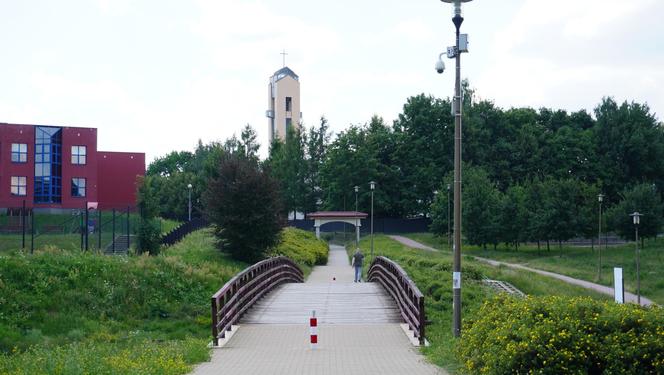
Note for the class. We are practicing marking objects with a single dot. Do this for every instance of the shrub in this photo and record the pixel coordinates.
(555, 335)
(302, 247)
(149, 236)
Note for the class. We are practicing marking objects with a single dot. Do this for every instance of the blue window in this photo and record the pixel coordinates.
(48, 164)
(19, 152)
(78, 155)
(78, 187)
(19, 185)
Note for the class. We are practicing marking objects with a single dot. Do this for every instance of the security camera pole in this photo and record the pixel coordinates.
(455, 52)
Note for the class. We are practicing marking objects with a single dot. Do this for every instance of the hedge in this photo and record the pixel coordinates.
(301, 246)
(556, 335)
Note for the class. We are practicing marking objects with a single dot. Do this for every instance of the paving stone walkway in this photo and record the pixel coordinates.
(359, 332)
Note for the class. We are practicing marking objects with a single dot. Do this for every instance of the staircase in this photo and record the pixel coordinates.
(121, 245)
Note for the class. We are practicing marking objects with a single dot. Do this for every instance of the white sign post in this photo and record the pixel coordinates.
(618, 285)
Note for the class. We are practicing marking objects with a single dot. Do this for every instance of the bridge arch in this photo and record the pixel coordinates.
(351, 217)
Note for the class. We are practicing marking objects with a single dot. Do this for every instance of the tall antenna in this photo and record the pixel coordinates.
(283, 54)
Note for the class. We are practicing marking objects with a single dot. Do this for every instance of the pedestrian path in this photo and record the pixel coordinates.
(629, 297)
(359, 331)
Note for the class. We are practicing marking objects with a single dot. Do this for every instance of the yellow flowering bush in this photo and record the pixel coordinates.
(557, 335)
(302, 247)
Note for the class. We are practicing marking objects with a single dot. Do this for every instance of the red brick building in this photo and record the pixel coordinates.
(57, 167)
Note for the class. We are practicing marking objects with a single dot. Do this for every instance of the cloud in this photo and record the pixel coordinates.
(570, 54)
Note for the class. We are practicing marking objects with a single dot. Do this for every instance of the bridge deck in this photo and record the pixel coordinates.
(358, 330)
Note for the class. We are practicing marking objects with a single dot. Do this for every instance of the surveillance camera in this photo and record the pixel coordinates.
(440, 66)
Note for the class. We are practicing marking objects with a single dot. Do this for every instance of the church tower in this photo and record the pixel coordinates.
(283, 103)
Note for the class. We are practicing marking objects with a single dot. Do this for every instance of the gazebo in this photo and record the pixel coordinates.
(350, 217)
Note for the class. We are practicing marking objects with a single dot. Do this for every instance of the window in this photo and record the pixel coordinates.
(19, 152)
(19, 185)
(78, 154)
(289, 104)
(289, 123)
(78, 187)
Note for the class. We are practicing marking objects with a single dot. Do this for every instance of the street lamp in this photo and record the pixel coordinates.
(189, 187)
(455, 52)
(600, 198)
(636, 220)
(357, 189)
(372, 185)
(449, 233)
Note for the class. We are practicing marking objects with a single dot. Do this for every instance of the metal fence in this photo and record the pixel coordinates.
(76, 229)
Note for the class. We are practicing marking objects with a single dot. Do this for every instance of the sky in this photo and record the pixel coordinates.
(157, 76)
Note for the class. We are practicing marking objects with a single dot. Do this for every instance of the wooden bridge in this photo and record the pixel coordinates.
(362, 326)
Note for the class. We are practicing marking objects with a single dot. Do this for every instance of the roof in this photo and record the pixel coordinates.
(283, 72)
(336, 214)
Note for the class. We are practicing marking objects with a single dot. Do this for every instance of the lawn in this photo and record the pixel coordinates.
(580, 262)
(432, 272)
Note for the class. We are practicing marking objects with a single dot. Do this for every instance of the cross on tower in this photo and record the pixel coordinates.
(283, 54)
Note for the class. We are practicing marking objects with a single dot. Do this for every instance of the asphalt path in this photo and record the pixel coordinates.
(629, 297)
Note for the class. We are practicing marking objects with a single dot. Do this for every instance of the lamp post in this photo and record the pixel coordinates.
(372, 185)
(189, 187)
(636, 220)
(449, 223)
(455, 52)
(357, 189)
(600, 198)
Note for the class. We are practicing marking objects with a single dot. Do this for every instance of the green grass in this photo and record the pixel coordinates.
(432, 272)
(68, 312)
(580, 262)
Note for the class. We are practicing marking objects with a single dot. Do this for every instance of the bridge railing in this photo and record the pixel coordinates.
(247, 287)
(408, 297)
(182, 230)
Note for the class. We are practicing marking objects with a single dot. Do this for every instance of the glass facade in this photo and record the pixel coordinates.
(78, 187)
(19, 152)
(48, 164)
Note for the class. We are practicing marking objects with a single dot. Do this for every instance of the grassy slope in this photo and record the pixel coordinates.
(71, 313)
(580, 262)
(81, 313)
(432, 273)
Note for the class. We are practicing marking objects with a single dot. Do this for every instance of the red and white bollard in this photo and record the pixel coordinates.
(313, 330)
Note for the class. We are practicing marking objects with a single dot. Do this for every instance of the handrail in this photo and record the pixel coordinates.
(247, 287)
(178, 233)
(403, 290)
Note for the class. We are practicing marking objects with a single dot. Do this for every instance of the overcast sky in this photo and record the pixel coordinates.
(156, 76)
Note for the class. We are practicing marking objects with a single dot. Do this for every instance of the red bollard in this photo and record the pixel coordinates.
(313, 330)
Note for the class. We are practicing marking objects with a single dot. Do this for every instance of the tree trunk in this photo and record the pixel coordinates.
(548, 247)
(560, 247)
(592, 244)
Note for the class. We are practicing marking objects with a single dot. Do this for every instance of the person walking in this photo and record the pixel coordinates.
(358, 258)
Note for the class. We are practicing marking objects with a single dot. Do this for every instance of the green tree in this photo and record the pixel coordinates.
(243, 204)
(642, 198)
(481, 205)
(149, 235)
(630, 146)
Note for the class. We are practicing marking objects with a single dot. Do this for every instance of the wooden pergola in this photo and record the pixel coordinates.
(351, 217)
